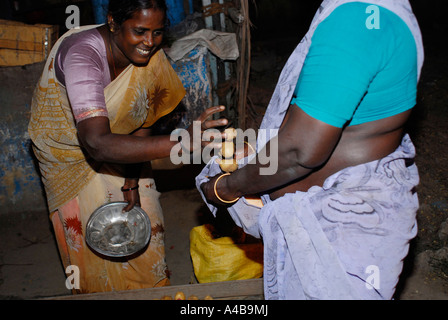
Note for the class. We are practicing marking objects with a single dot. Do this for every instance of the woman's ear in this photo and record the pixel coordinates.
(111, 24)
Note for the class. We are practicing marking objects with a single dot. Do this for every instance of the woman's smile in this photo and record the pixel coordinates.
(144, 53)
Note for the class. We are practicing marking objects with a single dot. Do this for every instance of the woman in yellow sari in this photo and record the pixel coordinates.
(102, 89)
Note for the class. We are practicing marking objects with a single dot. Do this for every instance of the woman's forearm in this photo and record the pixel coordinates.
(132, 149)
(249, 180)
(301, 146)
(105, 146)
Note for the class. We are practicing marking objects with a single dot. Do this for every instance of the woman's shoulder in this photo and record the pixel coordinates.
(90, 36)
(84, 47)
(86, 41)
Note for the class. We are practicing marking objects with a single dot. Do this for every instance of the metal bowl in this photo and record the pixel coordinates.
(114, 233)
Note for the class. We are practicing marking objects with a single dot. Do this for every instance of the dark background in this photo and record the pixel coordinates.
(271, 18)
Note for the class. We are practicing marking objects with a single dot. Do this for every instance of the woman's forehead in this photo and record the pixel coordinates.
(147, 17)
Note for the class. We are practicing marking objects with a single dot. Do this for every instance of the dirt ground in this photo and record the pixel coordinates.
(29, 262)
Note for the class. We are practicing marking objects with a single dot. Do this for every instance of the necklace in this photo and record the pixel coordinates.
(112, 53)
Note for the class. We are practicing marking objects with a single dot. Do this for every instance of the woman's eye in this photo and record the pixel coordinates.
(158, 33)
(139, 32)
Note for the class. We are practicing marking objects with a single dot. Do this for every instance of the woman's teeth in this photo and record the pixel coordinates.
(143, 52)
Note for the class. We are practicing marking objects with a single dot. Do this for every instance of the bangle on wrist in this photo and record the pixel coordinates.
(216, 192)
(129, 189)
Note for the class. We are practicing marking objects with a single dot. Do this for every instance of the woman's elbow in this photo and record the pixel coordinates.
(93, 135)
(94, 148)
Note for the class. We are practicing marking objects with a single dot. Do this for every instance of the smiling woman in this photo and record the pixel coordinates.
(101, 90)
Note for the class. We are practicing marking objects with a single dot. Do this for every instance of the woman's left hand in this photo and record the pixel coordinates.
(211, 192)
(205, 124)
(208, 190)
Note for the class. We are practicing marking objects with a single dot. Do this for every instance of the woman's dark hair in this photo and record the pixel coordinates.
(122, 10)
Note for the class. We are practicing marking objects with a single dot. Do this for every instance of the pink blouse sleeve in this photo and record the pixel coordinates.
(86, 74)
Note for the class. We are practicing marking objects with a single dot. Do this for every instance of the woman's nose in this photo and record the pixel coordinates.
(148, 40)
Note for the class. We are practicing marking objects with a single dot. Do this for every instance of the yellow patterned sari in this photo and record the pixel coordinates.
(75, 185)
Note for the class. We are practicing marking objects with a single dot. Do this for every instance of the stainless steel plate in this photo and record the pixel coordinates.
(114, 233)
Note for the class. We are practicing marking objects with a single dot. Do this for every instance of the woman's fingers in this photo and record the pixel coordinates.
(207, 124)
(132, 198)
(208, 136)
(210, 111)
(128, 207)
(213, 123)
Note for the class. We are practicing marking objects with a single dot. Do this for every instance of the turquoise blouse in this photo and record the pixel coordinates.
(361, 67)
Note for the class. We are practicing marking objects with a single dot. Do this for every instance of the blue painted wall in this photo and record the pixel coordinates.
(20, 185)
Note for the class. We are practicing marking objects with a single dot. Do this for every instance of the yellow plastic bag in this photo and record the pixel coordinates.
(225, 258)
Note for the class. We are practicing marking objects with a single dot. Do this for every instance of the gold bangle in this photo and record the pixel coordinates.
(216, 192)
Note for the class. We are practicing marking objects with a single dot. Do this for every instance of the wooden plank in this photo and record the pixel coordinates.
(22, 45)
(9, 57)
(228, 290)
